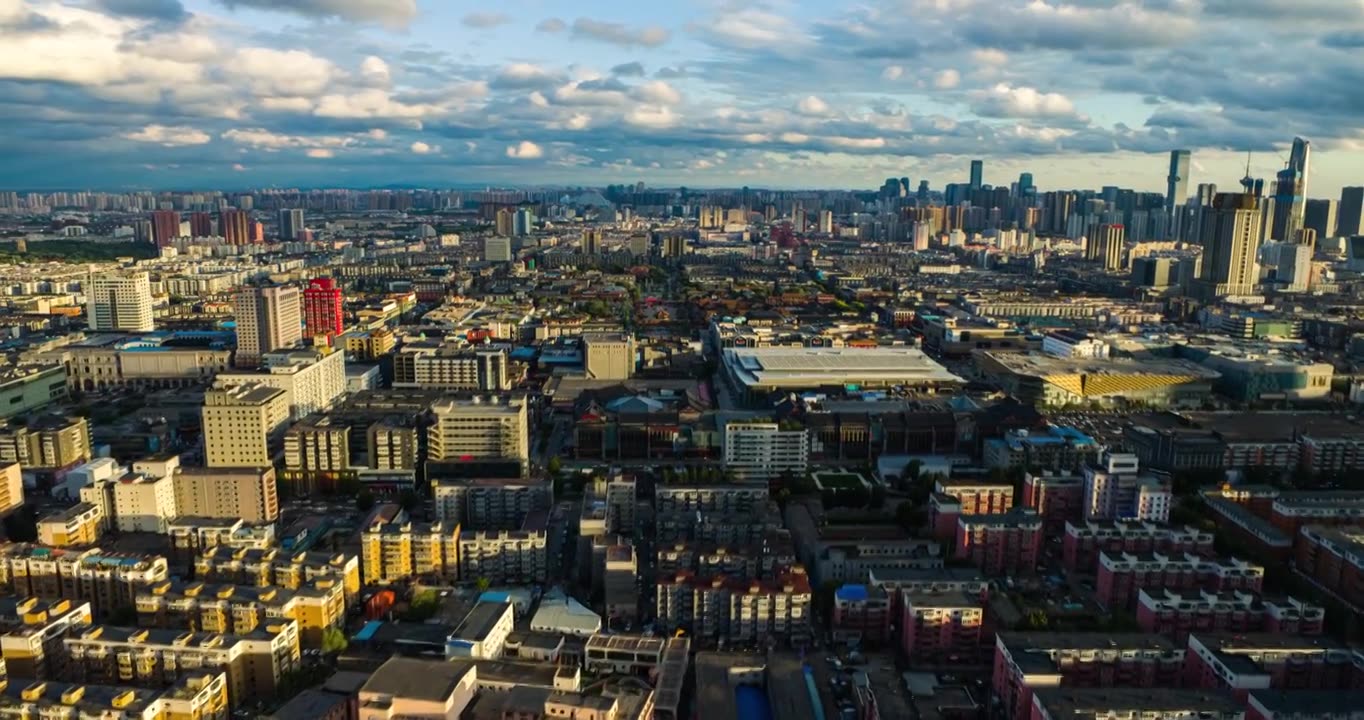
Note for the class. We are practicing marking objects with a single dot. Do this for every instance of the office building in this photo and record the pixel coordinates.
(268, 318)
(254, 663)
(120, 303)
(1108, 246)
(480, 427)
(1177, 182)
(78, 525)
(977, 174)
(323, 314)
(243, 424)
(394, 552)
(1290, 194)
(608, 356)
(290, 224)
(1231, 244)
(140, 503)
(639, 245)
(165, 227)
(497, 249)
(826, 222)
(504, 223)
(50, 441)
(235, 226)
(313, 379)
(1320, 216)
(27, 387)
(763, 451)
(1350, 213)
(620, 588)
(523, 221)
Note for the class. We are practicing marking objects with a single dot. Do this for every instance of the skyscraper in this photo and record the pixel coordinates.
(1230, 238)
(1177, 184)
(1320, 216)
(1111, 238)
(977, 174)
(235, 226)
(1290, 193)
(591, 241)
(503, 222)
(200, 224)
(120, 302)
(1350, 213)
(268, 318)
(522, 221)
(1025, 186)
(322, 309)
(290, 223)
(165, 226)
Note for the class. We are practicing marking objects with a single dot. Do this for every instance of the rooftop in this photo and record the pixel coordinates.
(430, 680)
(798, 366)
(481, 620)
(1092, 704)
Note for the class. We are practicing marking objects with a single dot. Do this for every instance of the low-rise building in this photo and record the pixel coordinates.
(1084, 541)
(483, 632)
(192, 696)
(31, 633)
(79, 525)
(1059, 448)
(1167, 704)
(861, 615)
(1122, 575)
(410, 688)
(1027, 662)
(1269, 704)
(258, 568)
(1243, 662)
(1007, 543)
(740, 611)
(941, 628)
(1179, 612)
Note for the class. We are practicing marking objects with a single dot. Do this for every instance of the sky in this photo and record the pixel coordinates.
(125, 94)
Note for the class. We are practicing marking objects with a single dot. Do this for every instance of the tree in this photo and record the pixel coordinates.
(364, 502)
(554, 466)
(1037, 619)
(912, 471)
(483, 584)
(334, 641)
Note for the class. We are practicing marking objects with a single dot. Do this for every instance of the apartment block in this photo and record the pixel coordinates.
(1115, 489)
(191, 697)
(108, 581)
(505, 556)
(953, 498)
(941, 628)
(861, 615)
(31, 633)
(259, 568)
(489, 503)
(763, 451)
(79, 525)
(1167, 704)
(1027, 662)
(392, 552)
(317, 447)
(1244, 662)
(254, 663)
(1177, 613)
(740, 611)
(241, 609)
(391, 445)
(451, 368)
(1058, 498)
(11, 487)
(191, 536)
(1083, 541)
(1290, 511)
(1122, 575)
(142, 503)
(758, 559)
(620, 577)
(1305, 705)
(314, 379)
(50, 441)
(248, 493)
(721, 499)
(243, 425)
(480, 427)
(997, 544)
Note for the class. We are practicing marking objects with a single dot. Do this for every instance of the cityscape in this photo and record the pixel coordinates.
(362, 391)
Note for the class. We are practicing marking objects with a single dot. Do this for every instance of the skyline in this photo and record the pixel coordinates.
(128, 94)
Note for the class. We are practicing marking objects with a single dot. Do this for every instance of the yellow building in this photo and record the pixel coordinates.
(108, 581)
(193, 697)
(76, 526)
(392, 552)
(11, 487)
(31, 632)
(239, 609)
(250, 566)
(368, 344)
(152, 657)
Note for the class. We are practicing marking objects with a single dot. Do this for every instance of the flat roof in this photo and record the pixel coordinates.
(1085, 704)
(481, 620)
(431, 680)
(1309, 703)
(809, 367)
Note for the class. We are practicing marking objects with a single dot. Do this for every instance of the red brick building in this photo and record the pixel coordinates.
(1122, 574)
(1026, 662)
(1084, 541)
(1059, 499)
(1007, 543)
(1244, 662)
(941, 628)
(1177, 613)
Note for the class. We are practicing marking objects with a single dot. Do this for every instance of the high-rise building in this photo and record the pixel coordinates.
(826, 222)
(608, 356)
(1177, 184)
(242, 425)
(1350, 213)
(268, 318)
(120, 302)
(290, 223)
(235, 226)
(504, 223)
(1025, 186)
(674, 246)
(1230, 239)
(481, 427)
(977, 174)
(322, 308)
(165, 226)
(497, 249)
(1290, 193)
(522, 221)
(1320, 216)
(1110, 238)
(200, 224)
(591, 242)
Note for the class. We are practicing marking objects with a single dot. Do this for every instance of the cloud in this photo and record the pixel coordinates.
(752, 29)
(947, 79)
(320, 153)
(370, 104)
(1004, 100)
(630, 69)
(551, 25)
(375, 70)
(651, 116)
(392, 13)
(282, 72)
(421, 148)
(270, 141)
(170, 136)
(892, 72)
(238, 167)
(658, 92)
(524, 150)
(167, 10)
(618, 34)
(990, 57)
(524, 75)
(484, 19)
(812, 105)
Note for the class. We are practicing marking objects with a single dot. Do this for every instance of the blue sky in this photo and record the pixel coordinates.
(705, 93)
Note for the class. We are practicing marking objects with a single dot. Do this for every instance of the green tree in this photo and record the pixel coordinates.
(554, 466)
(483, 584)
(334, 641)
(1037, 619)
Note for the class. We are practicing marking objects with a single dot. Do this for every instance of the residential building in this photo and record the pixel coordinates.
(1073, 344)
(120, 303)
(497, 249)
(268, 319)
(861, 615)
(1243, 662)
(1167, 704)
(1179, 612)
(1005, 543)
(740, 611)
(31, 632)
(1121, 575)
(764, 451)
(79, 525)
(290, 224)
(243, 425)
(941, 628)
(505, 556)
(248, 493)
(314, 378)
(710, 499)
(1115, 489)
(489, 503)
(367, 345)
(108, 581)
(260, 567)
(190, 697)
(240, 609)
(620, 584)
(323, 312)
(254, 663)
(1059, 448)
(1267, 704)
(392, 445)
(1057, 497)
(411, 688)
(953, 498)
(608, 357)
(234, 226)
(317, 447)
(392, 552)
(1084, 541)
(449, 368)
(11, 487)
(1333, 559)
(1230, 236)
(480, 427)
(1027, 662)
(482, 634)
(49, 441)
(141, 503)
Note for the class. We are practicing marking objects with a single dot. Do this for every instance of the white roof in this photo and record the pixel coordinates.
(569, 617)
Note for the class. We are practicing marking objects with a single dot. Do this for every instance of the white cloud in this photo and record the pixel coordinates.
(170, 136)
(525, 150)
(391, 13)
(421, 148)
(578, 121)
(1005, 100)
(651, 116)
(288, 73)
(551, 25)
(812, 105)
(378, 134)
(370, 104)
(617, 34)
(291, 104)
(238, 167)
(537, 99)
(262, 139)
(375, 70)
(575, 94)
(857, 143)
(753, 29)
(659, 93)
(755, 138)
(485, 19)
(320, 153)
(892, 72)
(794, 138)
(947, 79)
(990, 57)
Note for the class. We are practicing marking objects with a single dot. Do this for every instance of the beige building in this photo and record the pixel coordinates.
(101, 366)
(120, 302)
(11, 487)
(79, 525)
(48, 442)
(367, 344)
(143, 503)
(31, 632)
(313, 378)
(480, 427)
(317, 446)
(608, 356)
(242, 425)
(108, 581)
(28, 387)
(504, 556)
(409, 688)
(191, 697)
(268, 318)
(254, 662)
(392, 552)
(248, 493)
(256, 567)
(392, 445)
(241, 609)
